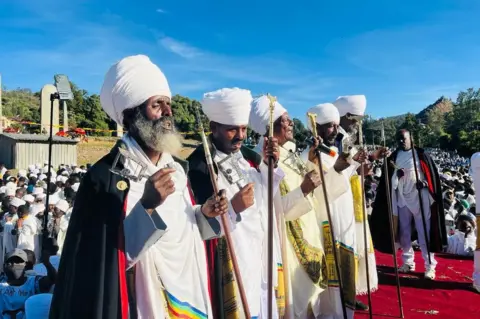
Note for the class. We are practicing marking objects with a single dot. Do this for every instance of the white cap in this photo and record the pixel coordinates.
(17, 202)
(62, 205)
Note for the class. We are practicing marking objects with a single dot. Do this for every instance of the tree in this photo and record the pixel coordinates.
(300, 133)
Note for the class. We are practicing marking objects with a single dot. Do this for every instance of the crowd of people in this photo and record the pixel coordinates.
(31, 244)
(142, 233)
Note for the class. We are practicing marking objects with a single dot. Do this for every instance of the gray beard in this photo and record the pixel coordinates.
(159, 135)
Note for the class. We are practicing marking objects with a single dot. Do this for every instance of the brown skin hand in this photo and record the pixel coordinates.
(228, 138)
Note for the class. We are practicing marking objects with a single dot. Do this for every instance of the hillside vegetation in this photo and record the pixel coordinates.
(445, 123)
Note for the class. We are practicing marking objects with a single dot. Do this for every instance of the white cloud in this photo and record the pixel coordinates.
(161, 11)
(182, 49)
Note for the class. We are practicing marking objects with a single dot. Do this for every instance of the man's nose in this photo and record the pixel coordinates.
(166, 110)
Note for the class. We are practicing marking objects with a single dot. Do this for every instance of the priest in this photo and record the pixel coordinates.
(475, 172)
(134, 244)
(300, 210)
(352, 109)
(406, 206)
(343, 219)
(243, 174)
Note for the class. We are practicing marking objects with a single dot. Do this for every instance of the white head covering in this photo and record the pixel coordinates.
(65, 173)
(353, 104)
(22, 173)
(62, 205)
(29, 198)
(41, 196)
(227, 106)
(38, 306)
(3, 189)
(31, 168)
(326, 113)
(129, 83)
(17, 202)
(75, 187)
(42, 177)
(53, 199)
(10, 191)
(260, 114)
(37, 191)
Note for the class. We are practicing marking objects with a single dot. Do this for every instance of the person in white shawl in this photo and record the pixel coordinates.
(26, 230)
(228, 110)
(343, 220)
(300, 210)
(10, 220)
(160, 228)
(475, 173)
(60, 223)
(351, 108)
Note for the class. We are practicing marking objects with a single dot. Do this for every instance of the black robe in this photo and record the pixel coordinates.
(379, 222)
(92, 282)
(202, 188)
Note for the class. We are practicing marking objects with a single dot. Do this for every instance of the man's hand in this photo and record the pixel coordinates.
(341, 163)
(243, 199)
(311, 181)
(360, 156)
(379, 153)
(400, 173)
(422, 184)
(312, 153)
(216, 205)
(157, 188)
(271, 149)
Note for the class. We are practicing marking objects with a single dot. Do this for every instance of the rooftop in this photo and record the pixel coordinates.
(38, 138)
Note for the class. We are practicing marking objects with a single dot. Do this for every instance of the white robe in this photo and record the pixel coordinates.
(310, 211)
(27, 234)
(170, 264)
(249, 236)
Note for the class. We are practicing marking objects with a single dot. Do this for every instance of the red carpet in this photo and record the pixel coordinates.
(450, 296)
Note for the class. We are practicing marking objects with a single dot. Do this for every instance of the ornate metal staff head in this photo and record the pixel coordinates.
(312, 118)
(272, 100)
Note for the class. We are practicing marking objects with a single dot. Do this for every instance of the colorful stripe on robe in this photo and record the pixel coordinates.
(182, 310)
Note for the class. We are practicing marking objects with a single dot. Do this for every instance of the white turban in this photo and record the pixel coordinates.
(41, 196)
(10, 192)
(129, 83)
(38, 306)
(31, 168)
(37, 191)
(17, 202)
(29, 198)
(62, 205)
(260, 114)
(22, 173)
(326, 113)
(227, 106)
(353, 104)
(475, 171)
(53, 199)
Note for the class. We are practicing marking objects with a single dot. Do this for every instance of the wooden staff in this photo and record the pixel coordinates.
(312, 117)
(392, 228)
(424, 223)
(225, 224)
(365, 220)
(271, 165)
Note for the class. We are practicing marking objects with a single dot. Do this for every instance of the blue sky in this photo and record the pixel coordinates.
(402, 55)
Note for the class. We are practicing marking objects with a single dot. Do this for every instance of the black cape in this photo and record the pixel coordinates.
(379, 222)
(202, 188)
(92, 282)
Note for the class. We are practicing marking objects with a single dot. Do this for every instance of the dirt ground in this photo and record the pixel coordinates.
(96, 148)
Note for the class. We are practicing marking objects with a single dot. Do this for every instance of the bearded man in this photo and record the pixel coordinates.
(343, 220)
(243, 173)
(300, 211)
(134, 244)
(352, 109)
